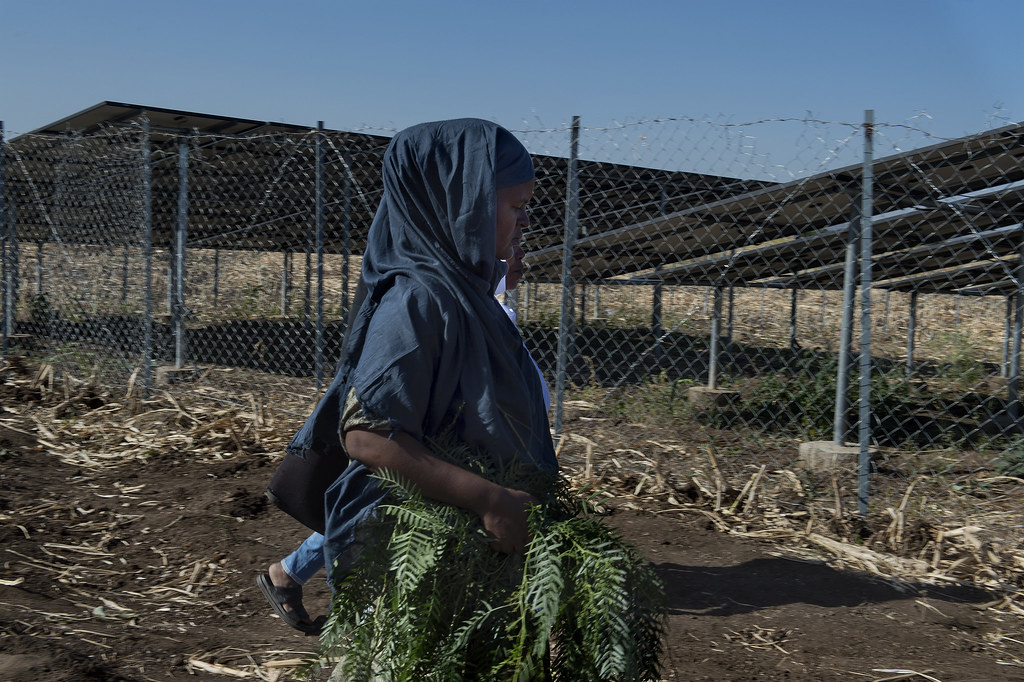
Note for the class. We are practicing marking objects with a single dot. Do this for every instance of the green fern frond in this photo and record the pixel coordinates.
(431, 600)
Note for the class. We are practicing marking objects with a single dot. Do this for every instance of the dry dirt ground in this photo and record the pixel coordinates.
(144, 569)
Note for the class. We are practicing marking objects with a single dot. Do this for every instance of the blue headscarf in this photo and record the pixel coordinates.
(429, 348)
(429, 272)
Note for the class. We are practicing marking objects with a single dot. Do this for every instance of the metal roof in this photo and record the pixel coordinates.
(233, 165)
(235, 153)
(170, 120)
(947, 218)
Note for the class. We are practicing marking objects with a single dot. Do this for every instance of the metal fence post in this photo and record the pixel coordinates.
(4, 331)
(180, 240)
(5, 290)
(147, 259)
(318, 361)
(10, 253)
(1013, 371)
(565, 318)
(866, 251)
(346, 242)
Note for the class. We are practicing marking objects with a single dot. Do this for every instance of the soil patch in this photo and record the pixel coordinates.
(144, 567)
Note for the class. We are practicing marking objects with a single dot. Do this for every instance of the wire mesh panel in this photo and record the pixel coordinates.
(752, 321)
(73, 238)
(685, 247)
(705, 272)
(176, 251)
(719, 284)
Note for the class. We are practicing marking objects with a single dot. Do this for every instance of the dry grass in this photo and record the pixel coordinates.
(967, 528)
(929, 520)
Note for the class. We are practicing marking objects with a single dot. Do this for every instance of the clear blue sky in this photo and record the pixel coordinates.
(386, 63)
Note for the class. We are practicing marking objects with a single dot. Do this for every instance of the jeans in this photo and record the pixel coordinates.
(304, 562)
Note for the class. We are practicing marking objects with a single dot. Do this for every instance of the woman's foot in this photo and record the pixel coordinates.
(285, 596)
(280, 578)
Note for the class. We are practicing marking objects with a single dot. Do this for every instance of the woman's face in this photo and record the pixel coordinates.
(512, 217)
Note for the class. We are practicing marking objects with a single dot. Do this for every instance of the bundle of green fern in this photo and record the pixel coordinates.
(430, 599)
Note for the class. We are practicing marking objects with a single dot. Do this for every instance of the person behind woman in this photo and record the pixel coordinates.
(511, 280)
(428, 350)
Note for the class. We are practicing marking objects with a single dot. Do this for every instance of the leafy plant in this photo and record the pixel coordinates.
(804, 399)
(800, 400)
(659, 399)
(251, 306)
(1010, 461)
(39, 310)
(961, 354)
(431, 600)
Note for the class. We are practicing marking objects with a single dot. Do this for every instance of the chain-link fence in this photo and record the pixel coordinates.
(706, 275)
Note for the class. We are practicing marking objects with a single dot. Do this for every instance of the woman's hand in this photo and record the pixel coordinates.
(505, 520)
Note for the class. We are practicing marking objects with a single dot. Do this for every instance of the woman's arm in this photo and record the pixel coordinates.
(502, 510)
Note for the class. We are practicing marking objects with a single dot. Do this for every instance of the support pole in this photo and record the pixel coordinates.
(170, 278)
(180, 239)
(716, 327)
(866, 252)
(911, 332)
(39, 270)
(565, 319)
(318, 362)
(657, 296)
(729, 323)
(125, 262)
(824, 309)
(1004, 369)
(286, 280)
(840, 419)
(793, 299)
(147, 261)
(583, 305)
(525, 313)
(216, 277)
